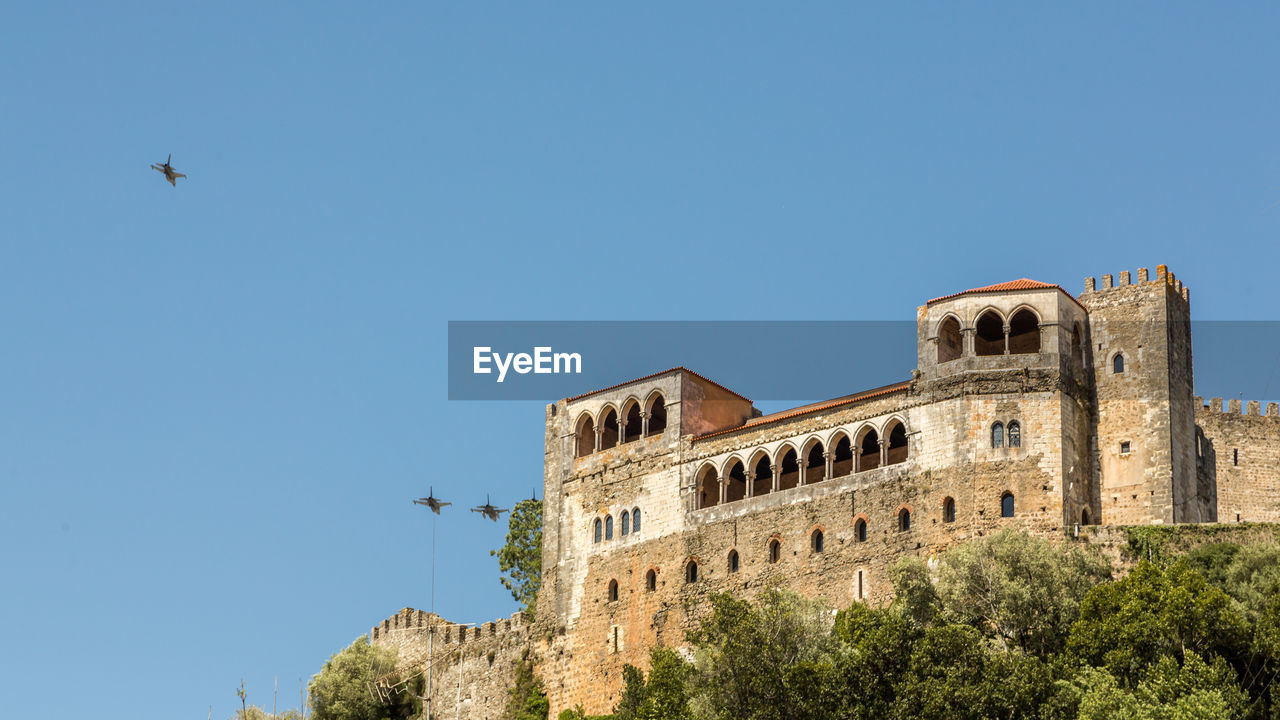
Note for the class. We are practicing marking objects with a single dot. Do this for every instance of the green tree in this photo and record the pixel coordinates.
(340, 691)
(253, 712)
(914, 595)
(526, 699)
(1018, 589)
(1127, 626)
(520, 559)
(1194, 690)
(665, 696)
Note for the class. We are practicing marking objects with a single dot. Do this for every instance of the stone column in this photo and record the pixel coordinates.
(723, 484)
(776, 470)
(644, 424)
(884, 447)
(1006, 338)
(828, 464)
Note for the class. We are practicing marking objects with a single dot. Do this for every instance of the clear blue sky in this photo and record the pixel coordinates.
(219, 399)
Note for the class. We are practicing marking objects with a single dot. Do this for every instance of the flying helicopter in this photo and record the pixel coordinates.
(169, 173)
(432, 502)
(488, 510)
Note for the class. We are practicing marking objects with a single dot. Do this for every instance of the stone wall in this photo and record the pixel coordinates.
(1240, 454)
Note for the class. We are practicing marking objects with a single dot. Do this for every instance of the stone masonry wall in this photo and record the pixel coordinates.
(1241, 453)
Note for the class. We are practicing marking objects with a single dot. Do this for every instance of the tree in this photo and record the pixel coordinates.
(527, 700)
(520, 559)
(665, 696)
(1018, 589)
(253, 712)
(340, 691)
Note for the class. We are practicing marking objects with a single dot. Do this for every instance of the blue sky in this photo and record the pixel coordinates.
(219, 399)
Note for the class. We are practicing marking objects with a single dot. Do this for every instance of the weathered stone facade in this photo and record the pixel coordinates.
(665, 489)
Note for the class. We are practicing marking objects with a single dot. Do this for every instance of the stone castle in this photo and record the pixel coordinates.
(1028, 407)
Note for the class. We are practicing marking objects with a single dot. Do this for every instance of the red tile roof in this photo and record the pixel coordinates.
(806, 409)
(1019, 284)
(680, 368)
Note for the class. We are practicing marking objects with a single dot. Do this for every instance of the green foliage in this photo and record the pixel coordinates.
(520, 559)
(527, 700)
(1195, 690)
(1018, 589)
(915, 596)
(666, 694)
(577, 713)
(340, 691)
(253, 712)
(1127, 626)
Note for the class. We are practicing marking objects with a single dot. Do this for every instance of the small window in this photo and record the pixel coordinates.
(1124, 447)
(861, 590)
(1006, 505)
(613, 591)
(626, 522)
(635, 520)
(860, 530)
(597, 534)
(733, 561)
(904, 520)
(1117, 364)
(1084, 516)
(1235, 456)
(948, 510)
(775, 551)
(815, 541)
(997, 435)
(608, 527)
(691, 572)
(651, 580)
(1015, 434)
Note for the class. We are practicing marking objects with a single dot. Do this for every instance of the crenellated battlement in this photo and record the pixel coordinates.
(420, 621)
(1252, 408)
(1162, 276)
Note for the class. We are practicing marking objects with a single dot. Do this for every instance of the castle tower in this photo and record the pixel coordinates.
(1140, 335)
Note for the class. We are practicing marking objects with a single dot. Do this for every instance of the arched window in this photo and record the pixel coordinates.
(708, 488)
(608, 527)
(904, 520)
(737, 482)
(1024, 333)
(613, 591)
(762, 481)
(635, 520)
(691, 571)
(1117, 364)
(842, 461)
(860, 530)
(626, 523)
(1006, 504)
(1084, 516)
(869, 451)
(651, 580)
(897, 450)
(634, 424)
(989, 334)
(815, 465)
(815, 541)
(585, 436)
(1015, 434)
(775, 551)
(948, 510)
(609, 430)
(950, 344)
(597, 534)
(789, 473)
(997, 435)
(657, 415)
(733, 561)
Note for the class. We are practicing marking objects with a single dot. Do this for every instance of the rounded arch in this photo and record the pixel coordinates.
(708, 486)
(691, 570)
(635, 520)
(597, 533)
(997, 434)
(651, 580)
(775, 550)
(1024, 331)
(608, 527)
(626, 523)
(817, 539)
(733, 561)
(904, 518)
(609, 436)
(860, 528)
(788, 467)
(584, 435)
(633, 423)
(761, 473)
(815, 461)
(735, 480)
(896, 432)
(841, 454)
(656, 407)
(1006, 504)
(948, 509)
(868, 448)
(613, 590)
(950, 341)
(988, 333)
